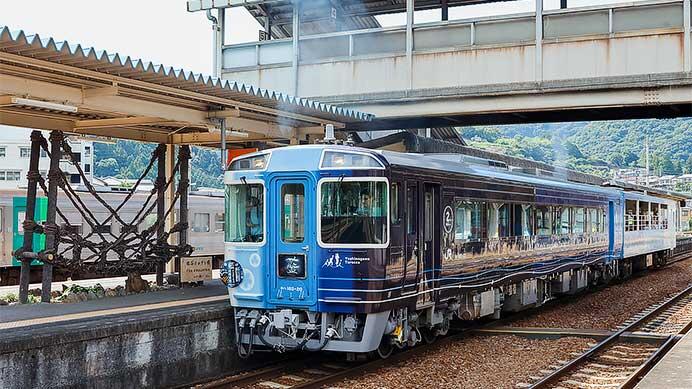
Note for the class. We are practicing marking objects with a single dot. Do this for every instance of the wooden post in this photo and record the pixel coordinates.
(32, 176)
(161, 206)
(52, 241)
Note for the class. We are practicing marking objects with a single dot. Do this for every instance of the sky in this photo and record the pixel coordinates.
(162, 31)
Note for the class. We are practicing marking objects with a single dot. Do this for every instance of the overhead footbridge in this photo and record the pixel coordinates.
(617, 61)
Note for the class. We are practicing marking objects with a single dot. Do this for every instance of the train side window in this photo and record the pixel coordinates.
(394, 203)
(219, 222)
(527, 220)
(200, 222)
(293, 213)
(563, 220)
(578, 217)
(468, 219)
(411, 216)
(631, 221)
(654, 215)
(644, 215)
(543, 222)
(664, 216)
(498, 220)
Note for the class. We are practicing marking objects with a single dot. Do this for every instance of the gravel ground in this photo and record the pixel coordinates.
(610, 307)
(476, 362)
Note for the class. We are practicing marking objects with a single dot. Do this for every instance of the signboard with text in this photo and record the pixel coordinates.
(195, 269)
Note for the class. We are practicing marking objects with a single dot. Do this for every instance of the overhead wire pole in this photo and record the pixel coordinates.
(296, 45)
(29, 217)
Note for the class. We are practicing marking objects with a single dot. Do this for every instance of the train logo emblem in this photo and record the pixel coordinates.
(292, 266)
(448, 219)
(334, 262)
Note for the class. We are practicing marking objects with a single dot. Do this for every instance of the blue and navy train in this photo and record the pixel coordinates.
(338, 248)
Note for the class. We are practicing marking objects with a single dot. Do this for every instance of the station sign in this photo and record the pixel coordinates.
(195, 269)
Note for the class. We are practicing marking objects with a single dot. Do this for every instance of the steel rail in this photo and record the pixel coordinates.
(555, 376)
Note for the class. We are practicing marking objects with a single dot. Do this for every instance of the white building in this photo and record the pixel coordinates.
(15, 150)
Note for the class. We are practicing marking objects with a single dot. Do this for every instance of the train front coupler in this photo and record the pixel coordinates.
(281, 330)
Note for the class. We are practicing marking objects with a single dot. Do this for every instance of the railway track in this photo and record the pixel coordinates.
(317, 373)
(623, 358)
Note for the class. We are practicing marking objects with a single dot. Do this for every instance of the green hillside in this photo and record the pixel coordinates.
(127, 159)
(594, 147)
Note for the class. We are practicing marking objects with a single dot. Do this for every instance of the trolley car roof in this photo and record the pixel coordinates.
(57, 85)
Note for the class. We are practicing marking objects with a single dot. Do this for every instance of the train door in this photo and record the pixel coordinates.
(293, 234)
(430, 236)
(411, 244)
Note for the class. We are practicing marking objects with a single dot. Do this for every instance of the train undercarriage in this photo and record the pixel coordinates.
(379, 334)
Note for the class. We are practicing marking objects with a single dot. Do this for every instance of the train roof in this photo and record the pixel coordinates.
(309, 156)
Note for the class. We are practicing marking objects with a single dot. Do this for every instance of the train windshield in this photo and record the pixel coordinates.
(354, 212)
(245, 213)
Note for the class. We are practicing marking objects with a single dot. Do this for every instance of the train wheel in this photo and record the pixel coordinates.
(385, 349)
(429, 335)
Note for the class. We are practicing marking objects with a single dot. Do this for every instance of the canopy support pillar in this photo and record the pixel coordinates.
(51, 229)
(25, 272)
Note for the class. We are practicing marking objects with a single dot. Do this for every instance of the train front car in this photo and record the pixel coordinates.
(304, 223)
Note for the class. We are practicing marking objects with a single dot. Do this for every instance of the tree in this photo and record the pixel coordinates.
(106, 167)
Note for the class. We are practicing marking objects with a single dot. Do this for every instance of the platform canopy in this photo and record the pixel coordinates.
(323, 16)
(56, 85)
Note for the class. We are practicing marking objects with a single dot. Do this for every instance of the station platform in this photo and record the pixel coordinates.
(674, 370)
(158, 339)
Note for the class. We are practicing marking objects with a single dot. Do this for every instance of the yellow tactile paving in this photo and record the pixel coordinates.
(112, 311)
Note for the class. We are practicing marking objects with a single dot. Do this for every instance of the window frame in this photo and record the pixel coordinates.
(371, 155)
(23, 149)
(3, 151)
(194, 214)
(249, 156)
(250, 181)
(318, 214)
(282, 211)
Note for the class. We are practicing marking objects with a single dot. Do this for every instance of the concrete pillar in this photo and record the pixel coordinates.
(56, 139)
(220, 40)
(160, 205)
(686, 9)
(296, 44)
(27, 246)
(539, 41)
(410, 8)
